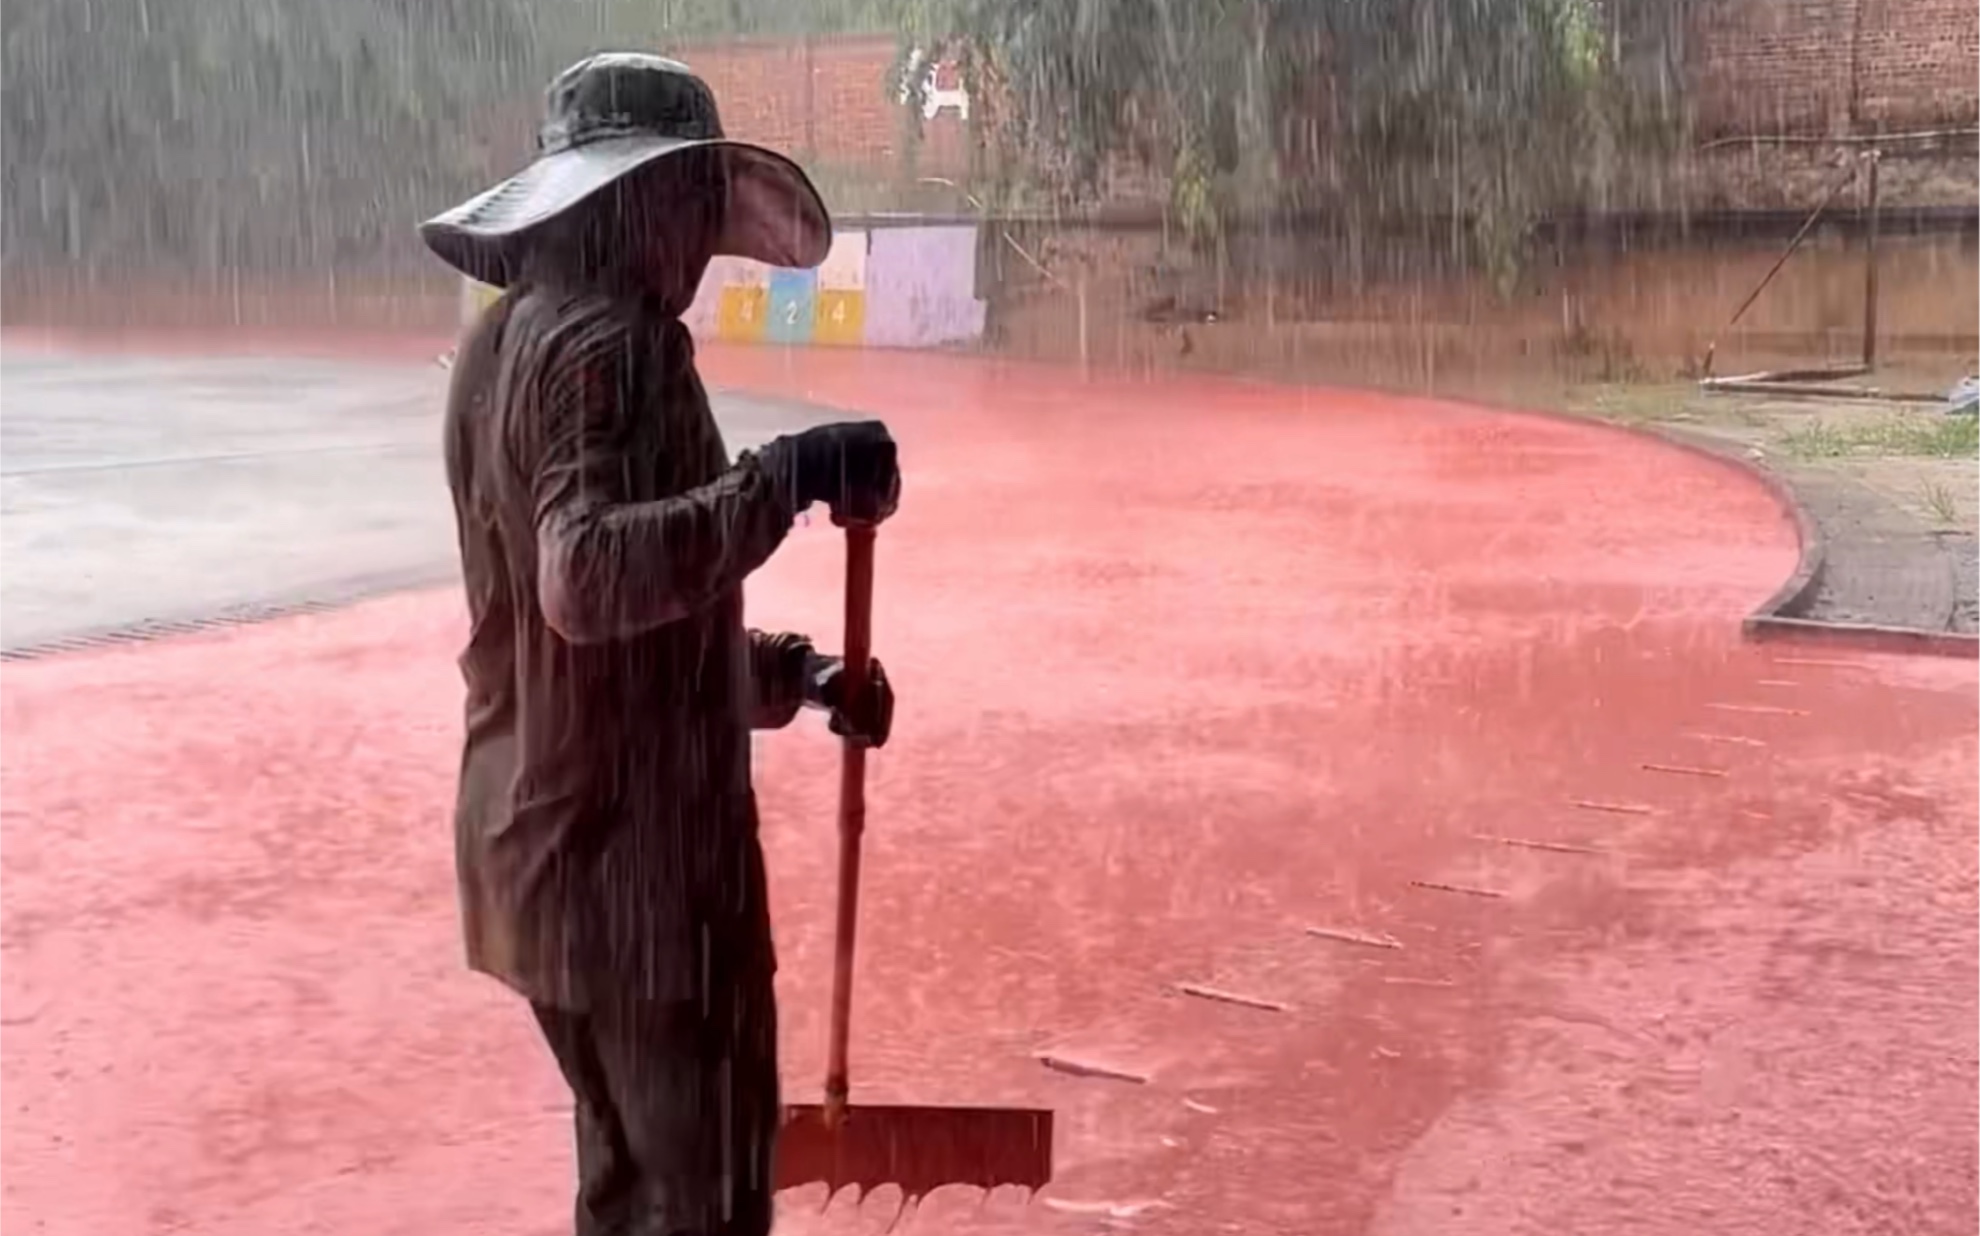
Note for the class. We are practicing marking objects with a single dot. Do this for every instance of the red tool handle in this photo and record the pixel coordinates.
(858, 654)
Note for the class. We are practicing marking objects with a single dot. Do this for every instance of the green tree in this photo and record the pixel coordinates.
(213, 135)
(209, 134)
(1487, 111)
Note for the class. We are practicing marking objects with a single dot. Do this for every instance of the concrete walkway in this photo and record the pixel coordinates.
(169, 488)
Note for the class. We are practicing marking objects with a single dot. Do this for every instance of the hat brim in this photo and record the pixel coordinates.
(774, 213)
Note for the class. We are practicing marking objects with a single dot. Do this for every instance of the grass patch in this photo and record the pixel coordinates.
(1817, 440)
(1649, 403)
(1631, 405)
(1928, 435)
(1940, 502)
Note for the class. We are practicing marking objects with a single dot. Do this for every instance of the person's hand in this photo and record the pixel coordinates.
(853, 467)
(867, 720)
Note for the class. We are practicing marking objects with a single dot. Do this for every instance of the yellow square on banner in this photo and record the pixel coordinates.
(739, 314)
(840, 318)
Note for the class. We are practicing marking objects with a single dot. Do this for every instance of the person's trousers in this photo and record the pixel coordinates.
(677, 1110)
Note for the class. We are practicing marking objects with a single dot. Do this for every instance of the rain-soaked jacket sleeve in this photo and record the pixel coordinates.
(609, 568)
(779, 666)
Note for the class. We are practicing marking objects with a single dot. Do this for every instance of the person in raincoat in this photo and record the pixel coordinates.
(605, 830)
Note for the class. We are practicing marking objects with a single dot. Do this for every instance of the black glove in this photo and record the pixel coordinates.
(853, 467)
(867, 720)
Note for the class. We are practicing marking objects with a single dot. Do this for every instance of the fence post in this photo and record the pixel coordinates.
(1870, 205)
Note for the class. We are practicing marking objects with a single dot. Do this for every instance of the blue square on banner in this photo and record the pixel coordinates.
(793, 301)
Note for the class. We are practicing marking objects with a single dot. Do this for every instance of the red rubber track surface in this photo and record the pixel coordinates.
(1187, 667)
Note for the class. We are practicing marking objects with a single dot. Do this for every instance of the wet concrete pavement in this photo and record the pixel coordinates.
(169, 488)
(1675, 934)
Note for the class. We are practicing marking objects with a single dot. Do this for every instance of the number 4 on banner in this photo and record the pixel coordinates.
(841, 318)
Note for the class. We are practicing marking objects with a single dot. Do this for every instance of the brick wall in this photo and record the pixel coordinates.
(832, 103)
(1919, 62)
(1832, 66)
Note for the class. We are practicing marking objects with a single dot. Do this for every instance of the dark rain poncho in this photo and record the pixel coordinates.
(606, 834)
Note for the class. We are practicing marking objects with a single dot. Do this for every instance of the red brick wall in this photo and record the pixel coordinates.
(846, 115)
(1752, 66)
(1919, 62)
(1833, 66)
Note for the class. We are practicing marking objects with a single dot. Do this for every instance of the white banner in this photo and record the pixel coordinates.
(844, 268)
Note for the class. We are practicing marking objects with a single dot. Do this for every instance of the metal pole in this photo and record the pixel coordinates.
(1870, 206)
(858, 647)
(1849, 174)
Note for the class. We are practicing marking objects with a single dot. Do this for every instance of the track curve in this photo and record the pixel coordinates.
(1676, 927)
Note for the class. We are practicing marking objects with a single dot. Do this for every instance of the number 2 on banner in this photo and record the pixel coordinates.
(790, 313)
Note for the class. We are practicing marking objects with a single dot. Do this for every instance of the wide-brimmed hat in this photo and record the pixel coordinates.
(607, 117)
